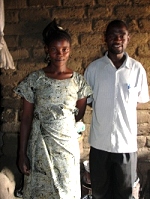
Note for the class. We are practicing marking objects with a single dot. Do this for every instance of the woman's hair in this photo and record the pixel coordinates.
(53, 32)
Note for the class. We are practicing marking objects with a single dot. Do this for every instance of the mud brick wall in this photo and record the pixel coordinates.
(85, 21)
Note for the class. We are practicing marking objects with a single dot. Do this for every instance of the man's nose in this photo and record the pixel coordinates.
(118, 38)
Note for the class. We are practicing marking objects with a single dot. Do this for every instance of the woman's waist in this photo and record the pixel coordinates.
(53, 117)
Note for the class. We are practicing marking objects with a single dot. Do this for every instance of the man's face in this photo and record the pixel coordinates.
(117, 38)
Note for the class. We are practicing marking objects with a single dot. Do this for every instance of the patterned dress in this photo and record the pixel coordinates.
(53, 147)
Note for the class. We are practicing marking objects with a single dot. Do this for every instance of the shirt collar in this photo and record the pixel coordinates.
(125, 63)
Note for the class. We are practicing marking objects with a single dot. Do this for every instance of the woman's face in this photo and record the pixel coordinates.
(59, 52)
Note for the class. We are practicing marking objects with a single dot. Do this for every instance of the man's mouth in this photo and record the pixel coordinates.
(117, 45)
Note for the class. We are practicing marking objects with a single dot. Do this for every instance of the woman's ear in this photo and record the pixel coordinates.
(46, 49)
(129, 38)
(70, 51)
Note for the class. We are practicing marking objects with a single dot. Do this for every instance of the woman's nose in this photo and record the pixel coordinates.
(59, 52)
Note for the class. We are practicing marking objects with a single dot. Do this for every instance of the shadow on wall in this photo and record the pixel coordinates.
(143, 170)
(1, 143)
(10, 178)
(1, 133)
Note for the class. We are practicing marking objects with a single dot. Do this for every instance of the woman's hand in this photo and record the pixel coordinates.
(26, 123)
(24, 164)
(81, 105)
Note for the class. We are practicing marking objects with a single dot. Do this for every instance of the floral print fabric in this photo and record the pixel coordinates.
(53, 147)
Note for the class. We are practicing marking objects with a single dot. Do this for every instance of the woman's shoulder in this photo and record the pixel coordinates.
(35, 74)
(79, 78)
(77, 74)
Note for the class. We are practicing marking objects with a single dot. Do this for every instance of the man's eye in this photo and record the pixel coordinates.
(111, 36)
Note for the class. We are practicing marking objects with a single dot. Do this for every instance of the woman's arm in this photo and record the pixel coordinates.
(81, 105)
(26, 122)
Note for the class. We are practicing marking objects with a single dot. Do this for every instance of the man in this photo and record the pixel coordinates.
(119, 83)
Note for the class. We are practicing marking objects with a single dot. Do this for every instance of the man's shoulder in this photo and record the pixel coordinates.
(137, 65)
(134, 62)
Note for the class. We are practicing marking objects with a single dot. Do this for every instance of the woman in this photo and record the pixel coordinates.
(54, 100)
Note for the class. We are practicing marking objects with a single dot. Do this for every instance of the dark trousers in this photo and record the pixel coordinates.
(112, 174)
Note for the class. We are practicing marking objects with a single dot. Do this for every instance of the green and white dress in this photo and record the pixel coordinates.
(53, 147)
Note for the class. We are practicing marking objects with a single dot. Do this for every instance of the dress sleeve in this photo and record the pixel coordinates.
(84, 89)
(89, 79)
(26, 88)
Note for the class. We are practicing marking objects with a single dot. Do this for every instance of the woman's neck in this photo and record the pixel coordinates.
(58, 72)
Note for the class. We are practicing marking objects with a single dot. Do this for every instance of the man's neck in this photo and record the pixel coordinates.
(117, 60)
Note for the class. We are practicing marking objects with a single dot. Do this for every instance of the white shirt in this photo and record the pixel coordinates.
(114, 102)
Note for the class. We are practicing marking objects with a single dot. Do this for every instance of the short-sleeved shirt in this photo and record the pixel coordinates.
(115, 97)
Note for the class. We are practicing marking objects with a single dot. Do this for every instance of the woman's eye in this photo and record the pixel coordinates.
(66, 50)
(53, 50)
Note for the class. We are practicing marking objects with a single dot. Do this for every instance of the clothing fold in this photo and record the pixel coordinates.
(6, 60)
